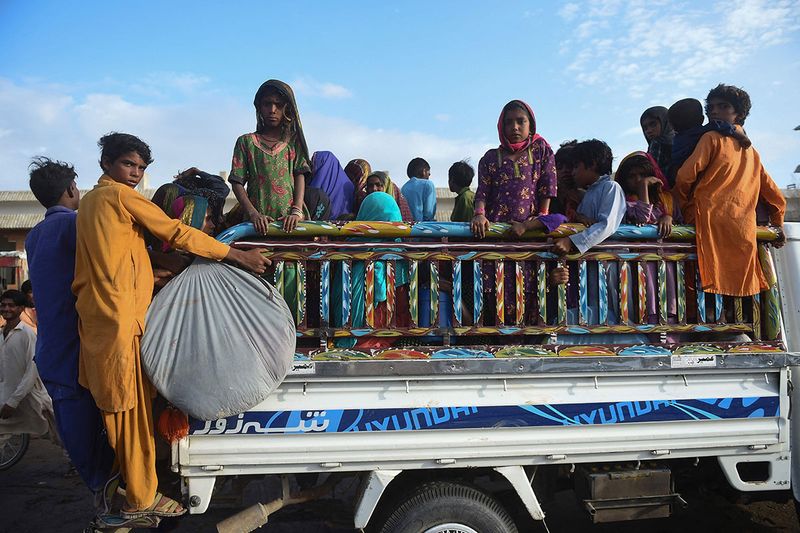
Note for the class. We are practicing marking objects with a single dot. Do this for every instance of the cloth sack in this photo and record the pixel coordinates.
(217, 340)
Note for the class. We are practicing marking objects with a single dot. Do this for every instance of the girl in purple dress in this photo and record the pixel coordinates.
(515, 184)
(516, 180)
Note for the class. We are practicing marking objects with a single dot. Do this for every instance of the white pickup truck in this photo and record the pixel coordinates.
(456, 415)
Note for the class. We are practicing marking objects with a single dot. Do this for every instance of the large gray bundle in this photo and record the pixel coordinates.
(217, 340)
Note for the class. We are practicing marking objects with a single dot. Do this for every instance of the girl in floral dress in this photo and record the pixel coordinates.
(515, 184)
(269, 168)
(270, 164)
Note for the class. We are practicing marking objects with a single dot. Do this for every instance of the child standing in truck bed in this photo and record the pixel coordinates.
(718, 188)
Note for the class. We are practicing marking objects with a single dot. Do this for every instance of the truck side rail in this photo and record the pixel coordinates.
(478, 271)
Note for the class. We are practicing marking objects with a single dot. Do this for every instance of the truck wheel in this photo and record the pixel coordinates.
(444, 507)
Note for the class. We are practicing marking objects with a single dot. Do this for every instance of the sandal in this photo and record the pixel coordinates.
(119, 524)
(162, 506)
(111, 498)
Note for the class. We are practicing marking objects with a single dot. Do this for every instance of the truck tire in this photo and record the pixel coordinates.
(446, 507)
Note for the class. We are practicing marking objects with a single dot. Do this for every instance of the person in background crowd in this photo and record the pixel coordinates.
(25, 406)
(459, 178)
(358, 170)
(29, 316)
(419, 190)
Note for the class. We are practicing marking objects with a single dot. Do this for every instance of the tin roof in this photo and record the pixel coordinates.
(23, 221)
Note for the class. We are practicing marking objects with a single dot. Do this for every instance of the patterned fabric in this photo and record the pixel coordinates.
(514, 190)
(267, 173)
(190, 210)
(166, 194)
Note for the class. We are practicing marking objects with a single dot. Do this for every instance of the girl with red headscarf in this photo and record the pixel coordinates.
(516, 180)
(515, 184)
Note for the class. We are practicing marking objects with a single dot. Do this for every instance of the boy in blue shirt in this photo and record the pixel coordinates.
(50, 246)
(419, 191)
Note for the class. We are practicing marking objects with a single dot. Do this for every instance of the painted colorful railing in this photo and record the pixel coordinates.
(474, 280)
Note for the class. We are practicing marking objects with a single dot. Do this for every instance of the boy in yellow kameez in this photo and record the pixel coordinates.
(113, 285)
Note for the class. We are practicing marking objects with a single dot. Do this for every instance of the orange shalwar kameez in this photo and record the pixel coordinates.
(728, 181)
(113, 286)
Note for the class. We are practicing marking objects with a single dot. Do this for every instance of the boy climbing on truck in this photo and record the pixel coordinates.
(113, 286)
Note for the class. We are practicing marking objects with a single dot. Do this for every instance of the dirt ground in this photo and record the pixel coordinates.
(36, 497)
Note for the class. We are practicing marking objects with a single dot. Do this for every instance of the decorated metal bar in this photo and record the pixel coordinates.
(369, 294)
(451, 229)
(325, 294)
(520, 292)
(413, 292)
(663, 308)
(680, 291)
(541, 292)
(583, 296)
(624, 295)
(457, 311)
(499, 287)
(602, 292)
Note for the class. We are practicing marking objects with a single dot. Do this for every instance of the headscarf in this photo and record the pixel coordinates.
(665, 198)
(331, 178)
(292, 117)
(190, 209)
(379, 206)
(165, 195)
(210, 186)
(532, 138)
(358, 170)
(390, 189)
(661, 146)
(650, 159)
(659, 113)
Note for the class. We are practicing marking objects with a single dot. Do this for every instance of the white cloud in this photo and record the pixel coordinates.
(671, 44)
(312, 87)
(442, 117)
(569, 11)
(198, 132)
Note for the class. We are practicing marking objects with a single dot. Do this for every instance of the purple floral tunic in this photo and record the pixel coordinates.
(513, 191)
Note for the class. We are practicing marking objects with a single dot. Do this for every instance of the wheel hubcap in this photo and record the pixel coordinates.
(451, 528)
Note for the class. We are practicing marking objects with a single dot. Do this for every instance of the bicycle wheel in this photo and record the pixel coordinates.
(12, 448)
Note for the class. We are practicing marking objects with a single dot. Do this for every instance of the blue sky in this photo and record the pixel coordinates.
(383, 81)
